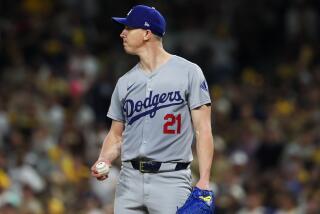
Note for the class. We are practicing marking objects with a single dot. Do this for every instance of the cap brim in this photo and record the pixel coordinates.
(119, 20)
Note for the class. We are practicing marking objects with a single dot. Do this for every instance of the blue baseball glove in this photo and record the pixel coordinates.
(199, 202)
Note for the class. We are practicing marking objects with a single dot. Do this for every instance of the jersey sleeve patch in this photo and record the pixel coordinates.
(204, 86)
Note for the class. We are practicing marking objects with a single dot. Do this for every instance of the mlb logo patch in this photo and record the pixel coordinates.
(204, 86)
(146, 24)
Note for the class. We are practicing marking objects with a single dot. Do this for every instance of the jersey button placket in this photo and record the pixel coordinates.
(145, 121)
(148, 87)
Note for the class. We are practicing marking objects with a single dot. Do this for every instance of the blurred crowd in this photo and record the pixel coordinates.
(60, 59)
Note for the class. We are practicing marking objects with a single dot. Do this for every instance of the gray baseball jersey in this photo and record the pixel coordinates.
(155, 109)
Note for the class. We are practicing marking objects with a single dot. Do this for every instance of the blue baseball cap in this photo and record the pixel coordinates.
(144, 17)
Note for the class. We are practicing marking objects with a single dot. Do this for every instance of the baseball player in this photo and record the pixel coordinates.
(157, 109)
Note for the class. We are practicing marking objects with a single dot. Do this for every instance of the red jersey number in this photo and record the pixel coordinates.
(173, 124)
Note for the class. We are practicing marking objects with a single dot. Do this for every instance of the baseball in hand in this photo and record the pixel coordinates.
(102, 168)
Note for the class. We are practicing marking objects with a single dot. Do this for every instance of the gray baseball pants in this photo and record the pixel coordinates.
(151, 193)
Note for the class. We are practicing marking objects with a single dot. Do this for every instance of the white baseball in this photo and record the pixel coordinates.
(102, 168)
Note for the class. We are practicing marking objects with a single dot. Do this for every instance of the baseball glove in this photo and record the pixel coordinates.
(199, 202)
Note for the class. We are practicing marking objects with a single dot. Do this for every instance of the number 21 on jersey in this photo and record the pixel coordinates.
(173, 124)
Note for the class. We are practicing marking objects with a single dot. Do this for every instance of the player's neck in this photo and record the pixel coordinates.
(152, 58)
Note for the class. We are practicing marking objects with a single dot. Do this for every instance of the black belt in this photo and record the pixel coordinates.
(154, 166)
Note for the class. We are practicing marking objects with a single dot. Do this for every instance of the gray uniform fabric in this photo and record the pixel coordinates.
(156, 110)
(151, 193)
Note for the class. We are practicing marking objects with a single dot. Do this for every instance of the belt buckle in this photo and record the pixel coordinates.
(141, 166)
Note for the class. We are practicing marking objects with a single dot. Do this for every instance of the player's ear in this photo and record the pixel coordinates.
(147, 35)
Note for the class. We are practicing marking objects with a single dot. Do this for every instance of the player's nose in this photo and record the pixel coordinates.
(123, 33)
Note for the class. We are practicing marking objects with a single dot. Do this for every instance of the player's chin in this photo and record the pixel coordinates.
(128, 50)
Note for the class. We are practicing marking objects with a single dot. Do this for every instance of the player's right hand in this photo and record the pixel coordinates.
(95, 173)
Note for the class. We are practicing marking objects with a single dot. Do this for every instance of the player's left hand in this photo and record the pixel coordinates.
(199, 202)
(203, 185)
